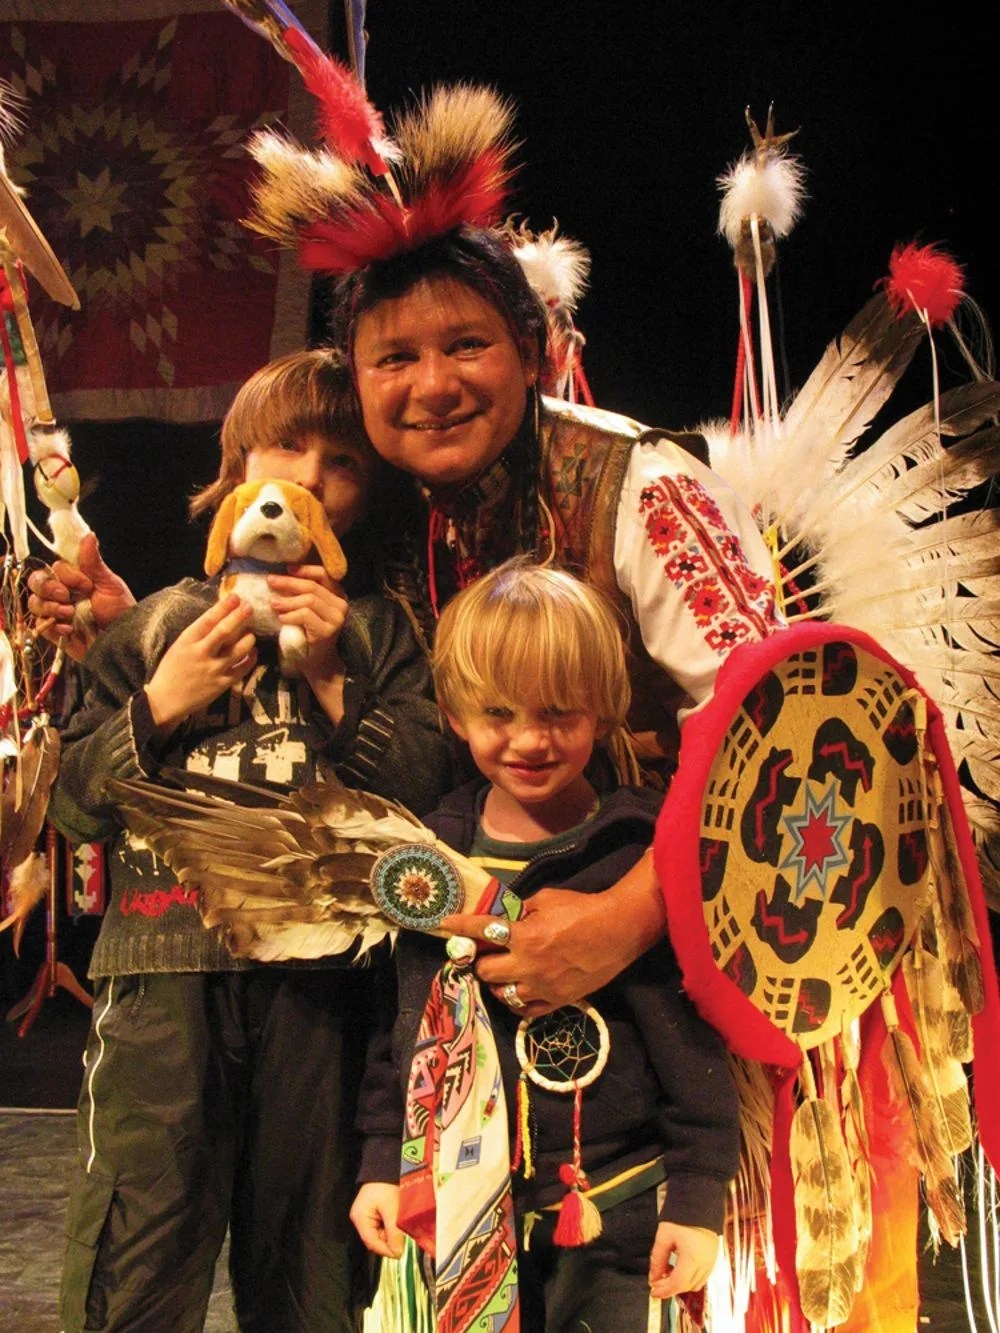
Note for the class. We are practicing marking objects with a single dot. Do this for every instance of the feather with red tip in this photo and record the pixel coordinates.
(925, 279)
(475, 195)
(348, 122)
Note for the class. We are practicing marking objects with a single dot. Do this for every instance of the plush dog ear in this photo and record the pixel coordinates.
(219, 534)
(330, 551)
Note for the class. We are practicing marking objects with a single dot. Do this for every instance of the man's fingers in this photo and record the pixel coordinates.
(59, 583)
(466, 923)
(684, 1276)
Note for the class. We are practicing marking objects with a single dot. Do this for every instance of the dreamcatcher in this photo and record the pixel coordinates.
(562, 1052)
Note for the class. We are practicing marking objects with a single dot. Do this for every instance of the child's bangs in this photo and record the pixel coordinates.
(522, 655)
(299, 395)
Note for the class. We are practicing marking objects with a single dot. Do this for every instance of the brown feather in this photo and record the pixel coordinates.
(940, 1031)
(25, 796)
(826, 1234)
(958, 940)
(930, 1152)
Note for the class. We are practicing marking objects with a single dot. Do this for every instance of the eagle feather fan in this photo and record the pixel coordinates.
(282, 876)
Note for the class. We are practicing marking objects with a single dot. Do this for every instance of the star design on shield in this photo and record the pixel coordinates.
(820, 838)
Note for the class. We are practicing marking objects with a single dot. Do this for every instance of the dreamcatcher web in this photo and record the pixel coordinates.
(565, 1050)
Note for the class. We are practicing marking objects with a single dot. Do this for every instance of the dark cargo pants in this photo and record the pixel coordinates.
(209, 1100)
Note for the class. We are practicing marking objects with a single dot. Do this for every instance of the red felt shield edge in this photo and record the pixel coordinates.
(676, 848)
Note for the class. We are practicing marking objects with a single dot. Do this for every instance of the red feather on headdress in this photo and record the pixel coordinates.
(379, 229)
(349, 123)
(454, 169)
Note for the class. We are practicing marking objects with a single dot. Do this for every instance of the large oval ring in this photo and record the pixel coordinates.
(461, 950)
(511, 997)
(498, 932)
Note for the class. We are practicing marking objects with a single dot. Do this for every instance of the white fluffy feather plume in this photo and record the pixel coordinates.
(281, 876)
(557, 267)
(772, 190)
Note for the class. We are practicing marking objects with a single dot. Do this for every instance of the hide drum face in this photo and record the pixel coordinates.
(57, 482)
(819, 829)
(268, 529)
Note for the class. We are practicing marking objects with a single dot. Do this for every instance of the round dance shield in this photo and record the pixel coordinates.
(795, 845)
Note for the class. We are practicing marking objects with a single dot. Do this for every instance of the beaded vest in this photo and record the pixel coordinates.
(584, 458)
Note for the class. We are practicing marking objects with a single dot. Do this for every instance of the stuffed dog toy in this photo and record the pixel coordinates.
(261, 528)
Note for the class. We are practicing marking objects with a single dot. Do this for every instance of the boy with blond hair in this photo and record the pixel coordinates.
(529, 668)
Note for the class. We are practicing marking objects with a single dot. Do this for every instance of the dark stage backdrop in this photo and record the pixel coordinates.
(628, 112)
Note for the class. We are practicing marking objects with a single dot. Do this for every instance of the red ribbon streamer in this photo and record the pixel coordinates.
(17, 420)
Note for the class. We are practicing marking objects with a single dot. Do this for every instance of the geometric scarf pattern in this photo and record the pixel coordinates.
(455, 1192)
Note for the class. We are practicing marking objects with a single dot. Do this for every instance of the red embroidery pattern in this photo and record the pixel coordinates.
(703, 559)
(158, 902)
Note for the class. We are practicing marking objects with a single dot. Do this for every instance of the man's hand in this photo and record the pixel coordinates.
(55, 592)
(568, 945)
(694, 1251)
(374, 1212)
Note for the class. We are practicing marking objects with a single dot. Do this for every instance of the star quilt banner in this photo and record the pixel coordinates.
(131, 156)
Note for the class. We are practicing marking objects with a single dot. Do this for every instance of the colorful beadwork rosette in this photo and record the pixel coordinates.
(417, 886)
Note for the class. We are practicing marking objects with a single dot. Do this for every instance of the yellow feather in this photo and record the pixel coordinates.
(452, 126)
(28, 884)
(856, 1143)
(826, 1233)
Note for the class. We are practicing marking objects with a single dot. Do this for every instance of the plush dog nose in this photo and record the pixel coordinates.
(271, 509)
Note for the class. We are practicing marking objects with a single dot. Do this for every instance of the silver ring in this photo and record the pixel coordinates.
(511, 997)
(497, 932)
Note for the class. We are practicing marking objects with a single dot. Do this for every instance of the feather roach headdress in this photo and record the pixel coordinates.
(343, 206)
(365, 196)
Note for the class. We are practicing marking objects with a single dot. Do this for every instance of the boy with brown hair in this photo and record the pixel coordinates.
(216, 1092)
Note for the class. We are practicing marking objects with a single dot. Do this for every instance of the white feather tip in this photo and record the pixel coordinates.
(557, 267)
(773, 190)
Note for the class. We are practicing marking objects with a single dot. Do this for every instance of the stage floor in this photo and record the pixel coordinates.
(39, 1076)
